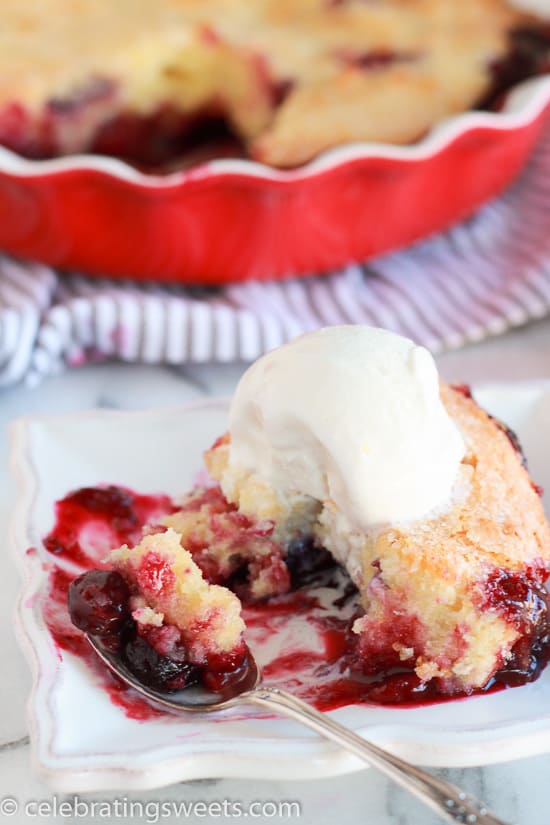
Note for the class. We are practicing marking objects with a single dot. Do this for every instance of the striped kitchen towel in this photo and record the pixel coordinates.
(480, 278)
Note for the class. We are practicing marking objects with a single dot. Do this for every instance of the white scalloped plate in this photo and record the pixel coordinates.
(82, 742)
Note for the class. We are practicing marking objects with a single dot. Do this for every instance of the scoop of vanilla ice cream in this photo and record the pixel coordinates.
(351, 417)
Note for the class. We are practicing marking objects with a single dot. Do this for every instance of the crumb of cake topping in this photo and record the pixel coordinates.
(427, 670)
(403, 652)
(145, 615)
(207, 616)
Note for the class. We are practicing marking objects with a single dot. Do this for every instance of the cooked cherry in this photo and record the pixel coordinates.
(98, 602)
(219, 680)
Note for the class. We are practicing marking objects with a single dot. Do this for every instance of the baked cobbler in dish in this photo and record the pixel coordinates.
(345, 448)
(143, 79)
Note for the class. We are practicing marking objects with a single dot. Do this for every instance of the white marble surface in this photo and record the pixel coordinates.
(518, 791)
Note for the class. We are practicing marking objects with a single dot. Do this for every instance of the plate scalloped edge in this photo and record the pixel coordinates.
(302, 758)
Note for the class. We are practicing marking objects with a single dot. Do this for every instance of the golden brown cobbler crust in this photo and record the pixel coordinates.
(293, 77)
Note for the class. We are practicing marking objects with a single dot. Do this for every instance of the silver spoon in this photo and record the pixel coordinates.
(452, 804)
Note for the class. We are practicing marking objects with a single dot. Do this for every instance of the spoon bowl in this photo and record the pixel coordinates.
(193, 699)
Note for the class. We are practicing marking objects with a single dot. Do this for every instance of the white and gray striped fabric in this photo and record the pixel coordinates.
(480, 278)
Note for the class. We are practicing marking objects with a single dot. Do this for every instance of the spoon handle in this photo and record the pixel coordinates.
(452, 804)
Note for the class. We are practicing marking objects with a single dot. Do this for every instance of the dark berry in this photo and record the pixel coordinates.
(157, 671)
(98, 602)
(305, 561)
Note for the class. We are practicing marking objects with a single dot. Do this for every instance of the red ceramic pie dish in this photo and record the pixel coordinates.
(232, 220)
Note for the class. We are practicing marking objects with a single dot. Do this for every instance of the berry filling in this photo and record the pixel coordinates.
(145, 608)
(167, 139)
